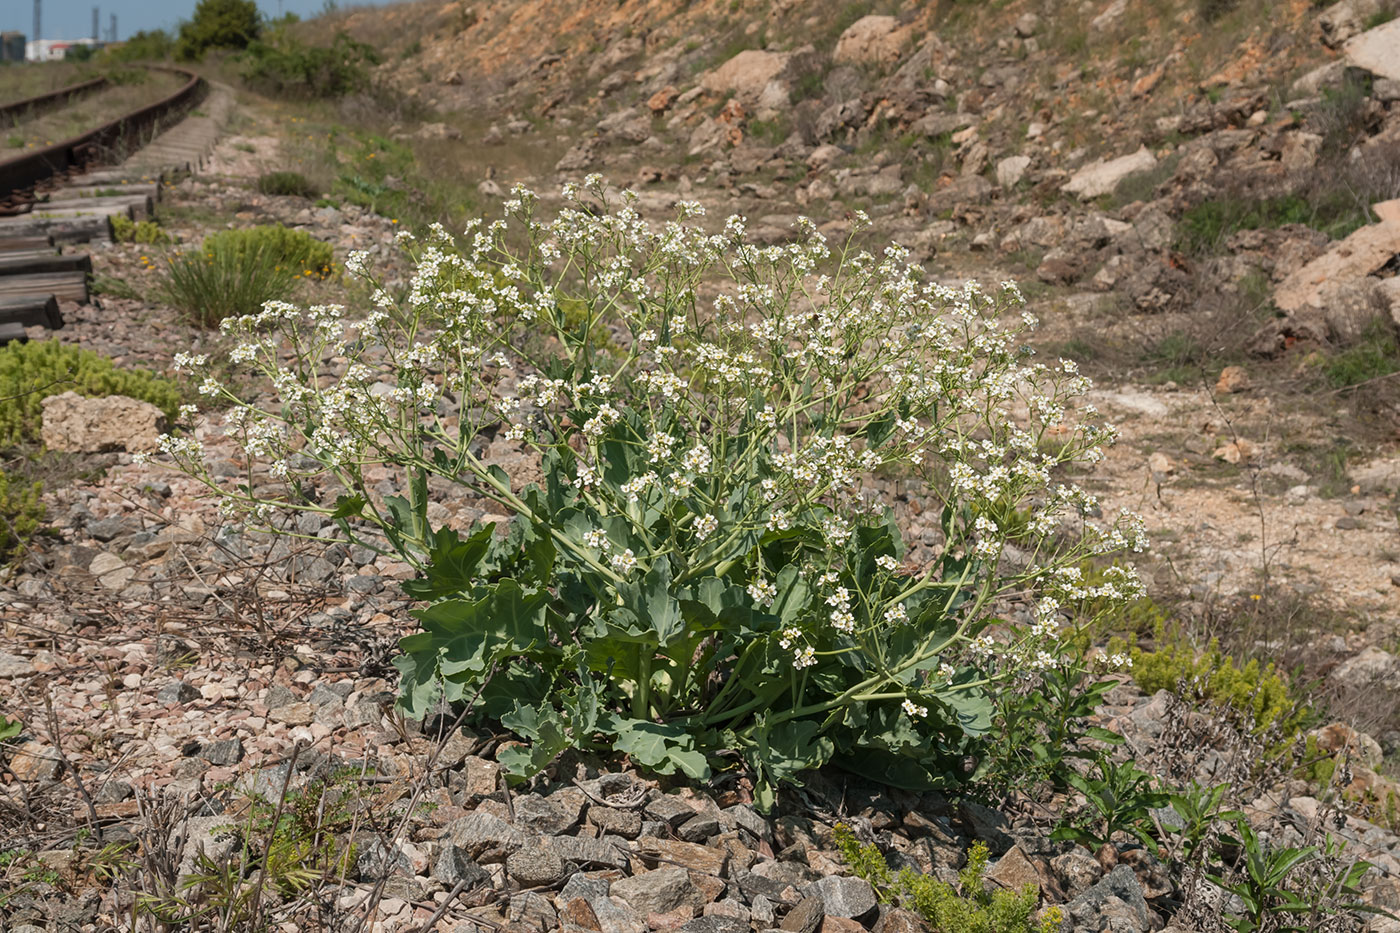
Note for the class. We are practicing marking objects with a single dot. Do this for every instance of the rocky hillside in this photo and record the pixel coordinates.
(1201, 201)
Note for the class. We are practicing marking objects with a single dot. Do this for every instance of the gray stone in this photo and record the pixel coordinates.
(698, 828)
(108, 528)
(805, 917)
(545, 815)
(747, 819)
(486, 838)
(215, 837)
(374, 859)
(624, 823)
(536, 866)
(454, 865)
(1077, 870)
(670, 811)
(988, 825)
(113, 792)
(532, 910)
(851, 898)
(716, 923)
(177, 691)
(279, 696)
(588, 851)
(1115, 903)
(222, 752)
(656, 892)
(12, 666)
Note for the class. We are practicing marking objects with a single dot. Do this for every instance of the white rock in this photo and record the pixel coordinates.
(1011, 169)
(1102, 177)
(92, 425)
(1377, 50)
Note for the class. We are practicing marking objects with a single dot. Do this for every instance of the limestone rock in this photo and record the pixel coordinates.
(92, 425)
(1011, 170)
(874, 40)
(1362, 253)
(1369, 669)
(1377, 50)
(1101, 177)
(747, 74)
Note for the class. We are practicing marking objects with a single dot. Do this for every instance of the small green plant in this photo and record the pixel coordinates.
(1199, 810)
(1374, 355)
(1280, 885)
(30, 372)
(148, 232)
(1256, 689)
(21, 514)
(209, 286)
(292, 184)
(9, 728)
(967, 908)
(295, 250)
(113, 287)
(1120, 798)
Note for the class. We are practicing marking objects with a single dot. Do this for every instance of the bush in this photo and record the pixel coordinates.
(211, 285)
(218, 24)
(1257, 690)
(297, 250)
(145, 46)
(701, 570)
(126, 230)
(30, 372)
(286, 67)
(968, 908)
(21, 513)
(286, 184)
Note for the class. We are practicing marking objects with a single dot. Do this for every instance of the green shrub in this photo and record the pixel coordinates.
(297, 250)
(218, 24)
(20, 515)
(126, 230)
(293, 184)
(29, 372)
(285, 67)
(1257, 690)
(211, 285)
(968, 908)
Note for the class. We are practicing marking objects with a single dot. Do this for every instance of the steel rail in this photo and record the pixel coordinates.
(123, 134)
(43, 103)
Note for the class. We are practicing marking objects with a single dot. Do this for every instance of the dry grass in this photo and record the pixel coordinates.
(30, 80)
(92, 111)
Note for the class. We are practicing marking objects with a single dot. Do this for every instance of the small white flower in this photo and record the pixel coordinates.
(804, 657)
(763, 592)
(896, 614)
(886, 562)
(790, 635)
(705, 526)
(596, 539)
(625, 562)
(913, 710)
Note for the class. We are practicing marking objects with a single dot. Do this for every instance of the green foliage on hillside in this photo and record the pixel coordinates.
(218, 24)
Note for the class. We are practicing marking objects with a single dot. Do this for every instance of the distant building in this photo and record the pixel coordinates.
(12, 47)
(52, 50)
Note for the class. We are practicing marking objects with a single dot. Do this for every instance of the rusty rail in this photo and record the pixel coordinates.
(116, 136)
(43, 103)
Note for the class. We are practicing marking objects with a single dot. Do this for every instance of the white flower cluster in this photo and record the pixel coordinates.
(769, 407)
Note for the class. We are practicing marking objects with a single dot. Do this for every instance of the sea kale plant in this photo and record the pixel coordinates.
(709, 565)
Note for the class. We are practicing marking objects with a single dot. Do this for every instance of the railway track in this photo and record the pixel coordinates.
(54, 199)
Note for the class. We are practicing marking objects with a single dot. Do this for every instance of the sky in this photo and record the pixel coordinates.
(72, 19)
